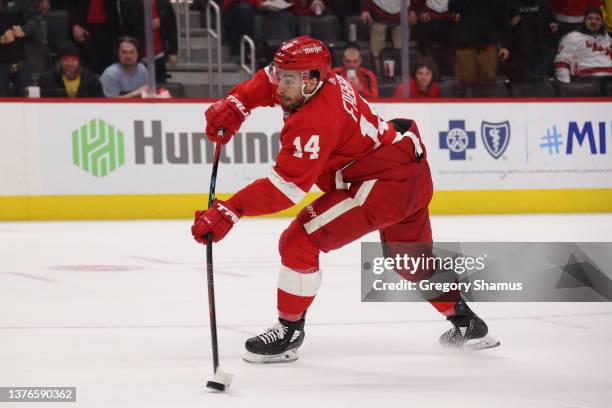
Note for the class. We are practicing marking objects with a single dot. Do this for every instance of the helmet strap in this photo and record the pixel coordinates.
(307, 96)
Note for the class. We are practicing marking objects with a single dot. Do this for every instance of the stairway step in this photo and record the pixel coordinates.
(201, 55)
(203, 67)
(200, 77)
(194, 31)
(196, 19)
(201, 91)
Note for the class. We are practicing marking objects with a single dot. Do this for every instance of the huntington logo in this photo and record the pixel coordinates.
(97, 148)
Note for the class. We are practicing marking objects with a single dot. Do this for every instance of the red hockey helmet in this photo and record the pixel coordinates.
(301, 54)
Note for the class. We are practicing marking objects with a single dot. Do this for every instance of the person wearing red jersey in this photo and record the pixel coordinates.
(307, 7)
(374, 175)
(570, 13)
(573, 11)
(422, 84)
(361, 78)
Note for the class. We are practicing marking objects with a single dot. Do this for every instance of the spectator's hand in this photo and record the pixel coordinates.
(156, 23)
(172, 59)
(515, 20)
(44, 7)
(412, 18)
(355, 82)
(456, 18)
(79, 33)
(143, 91)
(503, 54)
(553, 27)
(8, 37)
(563, 75)
(228, 113)
(425, 17)
(314, 4)
(18, 31)
(366, 18)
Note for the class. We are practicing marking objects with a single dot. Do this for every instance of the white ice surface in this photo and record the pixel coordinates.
(139, 337)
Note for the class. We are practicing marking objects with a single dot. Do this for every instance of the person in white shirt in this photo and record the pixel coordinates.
(585, 52)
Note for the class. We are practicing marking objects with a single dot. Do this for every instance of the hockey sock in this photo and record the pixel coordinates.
(296, 291)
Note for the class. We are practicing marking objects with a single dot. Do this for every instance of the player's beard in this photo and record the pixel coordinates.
(290, 104)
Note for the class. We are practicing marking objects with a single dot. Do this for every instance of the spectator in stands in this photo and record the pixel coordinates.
(37, 9)
(95, 28)
(434, 28)
(70, 79)
(433, 31)
(570, 13)
(128, 77)
(532, 40)
(14, 67)
(165, 34)
(238, 20)
(585, 52)
(362, 78)
(59, 4)
(37, 50)
(382, 16)
(482, 27)
(343, 8)
(422, 84)
(307, 7)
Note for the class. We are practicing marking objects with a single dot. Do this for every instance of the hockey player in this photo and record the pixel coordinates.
(374, 174)
(585, 52)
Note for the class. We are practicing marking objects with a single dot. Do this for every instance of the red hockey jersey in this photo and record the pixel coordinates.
(335, 128)
(572, 11)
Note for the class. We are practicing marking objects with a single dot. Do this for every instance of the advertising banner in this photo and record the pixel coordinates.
(91, 149)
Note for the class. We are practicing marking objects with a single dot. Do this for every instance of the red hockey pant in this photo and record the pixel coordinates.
(398, 209)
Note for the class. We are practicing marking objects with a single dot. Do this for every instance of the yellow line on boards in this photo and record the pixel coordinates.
(166, 206)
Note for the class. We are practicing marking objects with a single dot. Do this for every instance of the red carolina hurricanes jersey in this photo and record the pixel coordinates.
(333, 129)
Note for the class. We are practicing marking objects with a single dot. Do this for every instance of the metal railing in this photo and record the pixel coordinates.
(183, 24)
(215, 33)
(247, 70)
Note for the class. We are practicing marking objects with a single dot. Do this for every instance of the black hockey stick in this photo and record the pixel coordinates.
(221, 380)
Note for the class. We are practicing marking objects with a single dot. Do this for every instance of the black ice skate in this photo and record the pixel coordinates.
(469, 331)
(278, 344)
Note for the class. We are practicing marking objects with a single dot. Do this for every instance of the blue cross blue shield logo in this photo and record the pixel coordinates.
(457, 139)
(495, 137)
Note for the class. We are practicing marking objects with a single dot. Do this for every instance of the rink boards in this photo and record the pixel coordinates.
(93, 160)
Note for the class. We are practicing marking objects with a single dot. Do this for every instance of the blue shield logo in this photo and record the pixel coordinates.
(495, 137)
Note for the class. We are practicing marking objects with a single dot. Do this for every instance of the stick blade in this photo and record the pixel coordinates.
(221, 380)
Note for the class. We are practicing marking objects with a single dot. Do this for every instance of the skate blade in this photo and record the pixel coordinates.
(285, 357)
(482, 343)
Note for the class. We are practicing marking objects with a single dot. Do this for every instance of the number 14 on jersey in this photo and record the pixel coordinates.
(311, 146)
